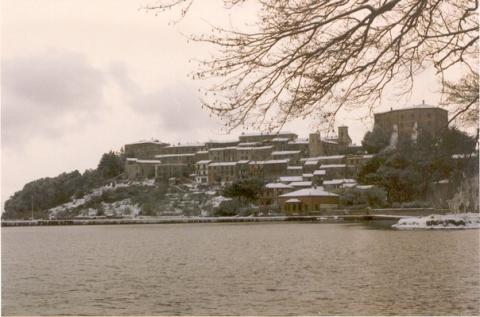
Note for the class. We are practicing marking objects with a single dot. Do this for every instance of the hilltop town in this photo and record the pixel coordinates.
(270, 173)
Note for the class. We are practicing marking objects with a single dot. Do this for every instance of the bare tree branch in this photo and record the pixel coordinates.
(314, 57)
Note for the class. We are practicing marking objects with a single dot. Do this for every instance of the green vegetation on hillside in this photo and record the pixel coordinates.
(408, 171)
(45, 193)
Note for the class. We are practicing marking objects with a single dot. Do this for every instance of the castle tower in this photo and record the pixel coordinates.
(343, 137)
(315, 147)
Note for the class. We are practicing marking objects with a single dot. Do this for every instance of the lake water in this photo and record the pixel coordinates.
(239, 269)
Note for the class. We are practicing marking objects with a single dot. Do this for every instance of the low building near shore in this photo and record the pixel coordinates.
(308, 200)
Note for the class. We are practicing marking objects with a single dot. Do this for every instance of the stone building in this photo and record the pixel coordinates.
(165, 171)
(223, 154)
(219, 144)
(187, 148)
(254, 153)
(420, 118)
(144, 149)
(299, 145)
(293, 156)
(337, 171)
(140, 169)
(222, 172)
(329, 146)
(294, 170)
(268, 170)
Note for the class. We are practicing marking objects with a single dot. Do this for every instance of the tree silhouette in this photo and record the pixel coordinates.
(314, 57)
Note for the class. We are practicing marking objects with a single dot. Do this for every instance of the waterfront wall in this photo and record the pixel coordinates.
(330, 216)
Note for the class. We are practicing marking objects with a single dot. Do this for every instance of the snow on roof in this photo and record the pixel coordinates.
(330, 157)
(298, 141)
(203, 162)
(202, 152)
(223, 164)
(149, 161)
(332, 165)
(280, 139)
(192, 144)
(175, 155)
(284, 161)
(365, 186)
(307, 175)
(222, 141)
(131, 159)
(301, 184)
(265, 133)
(421, 106)
(339, 181)
(247, 144)
(243, 161)
(311, 162)
(148, 141)
(294, 167)
(277, 186)
(330, 141)
(222, 148)
(285, 152)
(253, 148)
(319, 172)
(312, 191)
(290, 178)
(293, 200)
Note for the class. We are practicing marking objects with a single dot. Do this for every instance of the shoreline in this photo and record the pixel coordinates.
(337, 216)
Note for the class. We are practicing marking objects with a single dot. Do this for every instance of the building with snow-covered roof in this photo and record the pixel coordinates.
(289, 179)
(144, 149)
(265, 136)
(222, 172)
(318, 176)
(294, 170)
(302, 184)
(293, 156)
(254, 153)
(183, 148)
(220, 144)
(337, 171)
(140, 168)
(308, 200)
(223, 154)
(268, 169)
(339, 183)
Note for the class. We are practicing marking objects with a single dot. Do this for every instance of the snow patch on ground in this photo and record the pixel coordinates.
(449, 221)
(53, 212)
(123, 208)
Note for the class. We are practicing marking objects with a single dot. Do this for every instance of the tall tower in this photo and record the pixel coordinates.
(315, 147)
(343, 136)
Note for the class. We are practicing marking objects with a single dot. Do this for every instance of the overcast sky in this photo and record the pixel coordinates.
(81, 78)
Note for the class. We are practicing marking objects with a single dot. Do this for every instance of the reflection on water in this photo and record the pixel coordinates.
(240, 269)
